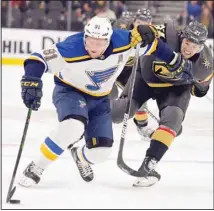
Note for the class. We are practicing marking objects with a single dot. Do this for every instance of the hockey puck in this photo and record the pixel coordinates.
(14, 201)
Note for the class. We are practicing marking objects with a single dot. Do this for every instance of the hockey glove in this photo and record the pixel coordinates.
(181, 68)
(143, 33)
(31, 91)
(198, 90)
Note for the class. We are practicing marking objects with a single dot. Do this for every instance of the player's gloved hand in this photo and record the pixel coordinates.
(198, 89)
(31, 91)
(143, 33)
(181, 68)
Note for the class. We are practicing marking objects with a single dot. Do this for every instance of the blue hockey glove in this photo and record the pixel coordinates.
(181, 68)
(31, 91)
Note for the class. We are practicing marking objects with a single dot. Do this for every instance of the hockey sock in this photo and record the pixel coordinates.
(141, 118)
(65, 133)
(162, 138)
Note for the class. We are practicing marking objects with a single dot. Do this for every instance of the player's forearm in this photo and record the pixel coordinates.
(34, 68)
(163, 52)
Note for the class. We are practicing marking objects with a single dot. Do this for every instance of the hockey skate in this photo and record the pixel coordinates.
(31, 175)
(151, 176)
(144, 131)
(84, 168)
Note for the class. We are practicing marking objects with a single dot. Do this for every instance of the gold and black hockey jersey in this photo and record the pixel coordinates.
(156, 75)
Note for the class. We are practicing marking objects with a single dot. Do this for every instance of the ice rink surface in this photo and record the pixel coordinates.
(186, 169)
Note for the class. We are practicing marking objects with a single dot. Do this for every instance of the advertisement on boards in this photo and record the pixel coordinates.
(18, 44)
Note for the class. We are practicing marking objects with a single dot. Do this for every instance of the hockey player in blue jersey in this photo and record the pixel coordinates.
(85, 66)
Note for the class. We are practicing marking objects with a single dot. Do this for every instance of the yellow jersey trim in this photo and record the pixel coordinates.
(207, 78)
(78, 58)
(87, 92)
(122, 48)
(159, 84)
(35, 58)
(153, 47)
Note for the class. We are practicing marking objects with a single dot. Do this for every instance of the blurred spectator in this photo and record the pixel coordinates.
(182, 18)
(23, 7)
(193, 10)
(4, 5)
(103, 10)
(61, 22)
(87, 8)
(78, 19)
(120, 7)
(21, 4)
(75, 5)
(207, 16)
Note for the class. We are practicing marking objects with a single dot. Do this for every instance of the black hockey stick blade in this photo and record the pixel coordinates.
(10, 195)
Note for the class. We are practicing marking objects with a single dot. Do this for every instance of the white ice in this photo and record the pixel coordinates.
(186, 169)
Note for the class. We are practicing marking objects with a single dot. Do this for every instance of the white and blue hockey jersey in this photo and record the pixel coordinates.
(72, 65)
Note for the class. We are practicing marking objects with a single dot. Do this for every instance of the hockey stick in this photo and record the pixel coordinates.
(12, 191)
(120, 162)
(152, 115)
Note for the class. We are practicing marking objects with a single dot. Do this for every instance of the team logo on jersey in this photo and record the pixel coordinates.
(161, 30)
(160, 69)
(82, 103)
(206, 63)
(99, 77)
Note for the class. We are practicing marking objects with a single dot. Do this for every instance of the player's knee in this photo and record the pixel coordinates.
(67, 131)
(97, 150)
(172, 117)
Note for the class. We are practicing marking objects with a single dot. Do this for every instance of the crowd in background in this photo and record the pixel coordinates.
(54, 14)
(201, 11)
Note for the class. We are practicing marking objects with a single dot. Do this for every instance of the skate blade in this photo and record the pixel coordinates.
(145, 181)
(26, 182)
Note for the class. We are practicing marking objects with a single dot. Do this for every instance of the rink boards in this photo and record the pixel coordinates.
(17, 44)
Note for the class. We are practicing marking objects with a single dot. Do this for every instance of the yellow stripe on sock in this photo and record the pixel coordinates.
(140, 116)
(163, 136)
(48, 153)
